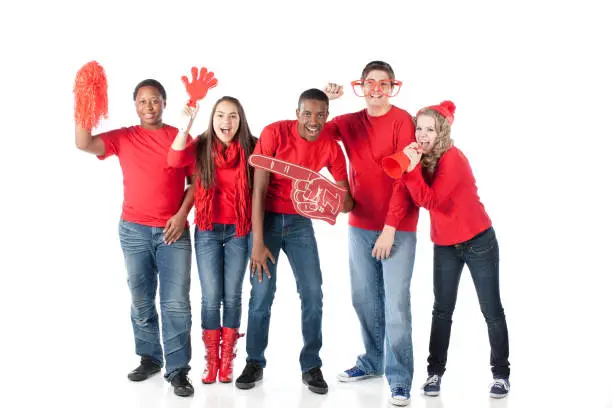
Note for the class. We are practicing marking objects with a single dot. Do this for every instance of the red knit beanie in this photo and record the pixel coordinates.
(446, 109)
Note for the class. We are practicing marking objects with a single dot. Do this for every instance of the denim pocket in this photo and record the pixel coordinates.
(482, 243)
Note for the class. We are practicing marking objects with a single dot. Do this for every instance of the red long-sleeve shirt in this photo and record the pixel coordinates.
(379, 200)
(451, 197)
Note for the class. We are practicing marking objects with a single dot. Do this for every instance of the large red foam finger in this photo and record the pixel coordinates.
(282, 168)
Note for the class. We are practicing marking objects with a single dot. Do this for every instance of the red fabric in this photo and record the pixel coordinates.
(152, 191)
(229, 200)
(282, 141)
(446, 109)
(379, 200)
(451, 197)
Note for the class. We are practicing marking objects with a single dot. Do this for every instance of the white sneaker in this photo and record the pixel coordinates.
(399, 397)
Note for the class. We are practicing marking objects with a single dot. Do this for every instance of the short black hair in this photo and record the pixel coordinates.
(151, 82)
(314, 94)
(377, 66)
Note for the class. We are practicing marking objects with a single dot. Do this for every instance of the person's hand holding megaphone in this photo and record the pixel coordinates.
(413, 151)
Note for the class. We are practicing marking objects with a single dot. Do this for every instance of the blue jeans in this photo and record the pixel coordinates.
(481, 254)
(147, 258)
(222, 260)
(295, 236)
(381, 297)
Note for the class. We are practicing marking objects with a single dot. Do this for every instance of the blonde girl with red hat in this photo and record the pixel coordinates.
(440, 179)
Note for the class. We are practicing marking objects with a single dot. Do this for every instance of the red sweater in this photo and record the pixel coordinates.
(379, 200)
(152, 192)
(451, 197)
(224, 197)
(282, 141)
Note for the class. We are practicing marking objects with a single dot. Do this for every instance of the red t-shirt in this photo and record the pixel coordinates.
(451, 197)
(282, 141)
(152, 190)
(379, 200)
(224, 196)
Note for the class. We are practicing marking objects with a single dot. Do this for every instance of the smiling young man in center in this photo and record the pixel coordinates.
(304, 142)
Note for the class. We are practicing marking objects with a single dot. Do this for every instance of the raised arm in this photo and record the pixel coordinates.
(86, 142)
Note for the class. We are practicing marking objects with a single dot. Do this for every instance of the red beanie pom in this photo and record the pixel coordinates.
(449, 106)
(90, 95)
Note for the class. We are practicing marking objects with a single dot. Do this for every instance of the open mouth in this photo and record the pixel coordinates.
(312, 130)
(226, 131)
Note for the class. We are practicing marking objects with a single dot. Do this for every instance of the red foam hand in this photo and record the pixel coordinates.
(317, 198)
(90, 95)
(313, 195)
(199, 85)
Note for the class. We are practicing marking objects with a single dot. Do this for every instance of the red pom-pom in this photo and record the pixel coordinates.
(449, 106)
(90, 95)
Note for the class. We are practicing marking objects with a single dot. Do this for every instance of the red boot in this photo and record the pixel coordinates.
(211, 343)
(228, 352)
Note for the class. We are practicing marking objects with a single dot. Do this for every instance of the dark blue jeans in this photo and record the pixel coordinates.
(481, 254)
(295, 236)
(222, 260)
(147, 259)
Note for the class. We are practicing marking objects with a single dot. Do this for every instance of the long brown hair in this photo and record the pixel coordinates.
(205, 161)
(443, 140)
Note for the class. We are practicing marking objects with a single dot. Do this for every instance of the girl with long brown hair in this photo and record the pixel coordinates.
(223, 224)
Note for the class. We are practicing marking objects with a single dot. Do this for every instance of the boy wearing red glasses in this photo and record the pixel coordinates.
(382, 230)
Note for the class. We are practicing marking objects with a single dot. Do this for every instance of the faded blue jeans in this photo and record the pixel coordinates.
(222, 260)
(381, 297)
(147, 259)
(293, 234)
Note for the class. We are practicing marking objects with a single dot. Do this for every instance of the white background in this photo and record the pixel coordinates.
(531, 81)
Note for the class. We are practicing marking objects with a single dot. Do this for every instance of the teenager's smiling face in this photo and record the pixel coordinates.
(150, 106)
(426, 132)
(226, 121)
(311, 117)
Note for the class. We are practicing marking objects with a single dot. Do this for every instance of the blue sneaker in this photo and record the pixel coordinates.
(432, 385)
(499, 388)
(399, 396)
(354, 374)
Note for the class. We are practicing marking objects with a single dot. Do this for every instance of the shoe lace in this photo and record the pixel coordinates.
(432, 380)
(316, 374)
(353, 371)
(398, 391)
(500, 383)
(183, 380)
(250, 368)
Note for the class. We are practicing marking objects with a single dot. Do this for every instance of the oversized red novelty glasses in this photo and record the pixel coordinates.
(388, 87)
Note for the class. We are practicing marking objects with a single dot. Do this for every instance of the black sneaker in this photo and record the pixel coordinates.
(147, 368)
(182, 385)
(251, 374)
(313, 378)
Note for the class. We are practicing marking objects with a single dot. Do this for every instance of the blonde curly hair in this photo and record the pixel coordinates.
(443, 140)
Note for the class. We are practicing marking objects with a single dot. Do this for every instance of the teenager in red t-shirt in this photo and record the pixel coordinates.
(277, 225)
(154, 235)
(382, 232)
(223, 223)
(461, 230)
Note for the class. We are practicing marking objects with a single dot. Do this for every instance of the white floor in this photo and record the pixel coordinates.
(78, 349)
